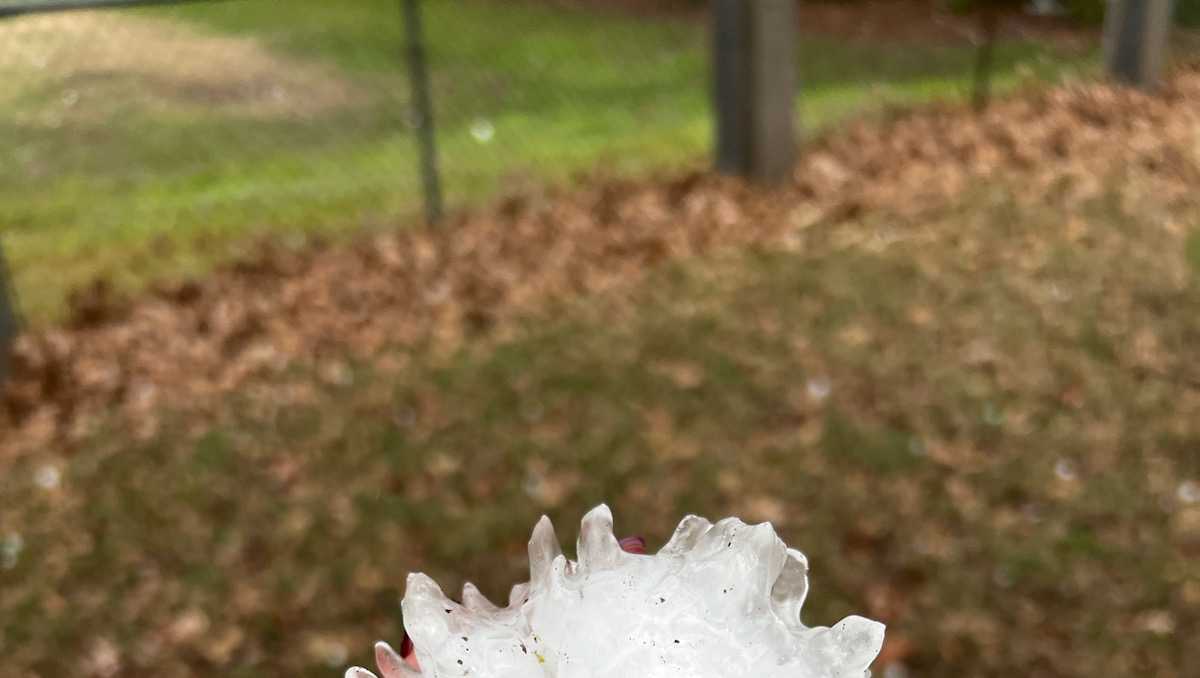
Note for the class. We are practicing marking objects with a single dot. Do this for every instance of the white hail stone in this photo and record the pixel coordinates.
(718, 601)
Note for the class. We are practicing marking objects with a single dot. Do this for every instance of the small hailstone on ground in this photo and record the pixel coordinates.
(718, 601)
(10, 550)
(1065, 470)
(1189, 492)
(47, 477)
(483, 131)
(819, 388)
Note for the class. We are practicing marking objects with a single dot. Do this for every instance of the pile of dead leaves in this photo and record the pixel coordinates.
(890, 21)
(186, 346)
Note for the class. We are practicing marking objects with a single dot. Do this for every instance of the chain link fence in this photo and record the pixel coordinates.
(149, 142)
(139, 143)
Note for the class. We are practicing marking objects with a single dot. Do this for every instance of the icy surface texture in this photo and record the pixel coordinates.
(718, 601)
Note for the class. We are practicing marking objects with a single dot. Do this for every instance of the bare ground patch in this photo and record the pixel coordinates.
(80, 65)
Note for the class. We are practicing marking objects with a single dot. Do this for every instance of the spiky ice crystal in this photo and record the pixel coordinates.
(718, 601)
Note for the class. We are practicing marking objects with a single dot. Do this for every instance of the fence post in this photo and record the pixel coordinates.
(9, 317)
(754, 73)
(1136, 33)
(418, 73)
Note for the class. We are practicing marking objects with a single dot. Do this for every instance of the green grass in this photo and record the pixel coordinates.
(975, 475)
(136, 192)
(1193, 251)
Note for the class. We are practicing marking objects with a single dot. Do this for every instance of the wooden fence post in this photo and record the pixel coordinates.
(1136, 33)
(754, 67)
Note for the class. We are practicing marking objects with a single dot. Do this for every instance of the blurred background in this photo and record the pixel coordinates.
(953, 355)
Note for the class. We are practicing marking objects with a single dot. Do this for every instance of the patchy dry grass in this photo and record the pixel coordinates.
(79, 67)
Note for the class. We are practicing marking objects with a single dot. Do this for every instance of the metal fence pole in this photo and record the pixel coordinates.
(418, 69)
(9, 316)
(1135, 40)
(754, 69)
(985, 56)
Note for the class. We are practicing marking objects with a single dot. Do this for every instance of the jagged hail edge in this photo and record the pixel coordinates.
(718, 601)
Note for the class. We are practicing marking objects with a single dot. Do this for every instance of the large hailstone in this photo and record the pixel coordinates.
(718, 601)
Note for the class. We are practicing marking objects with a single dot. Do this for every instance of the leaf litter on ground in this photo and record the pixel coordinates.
(190, 343)
(953, 359)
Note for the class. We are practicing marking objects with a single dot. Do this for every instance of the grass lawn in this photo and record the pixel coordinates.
(950, 416)
(149, 144)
